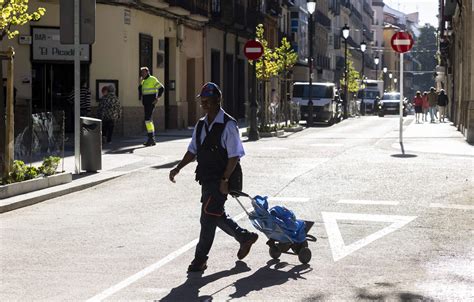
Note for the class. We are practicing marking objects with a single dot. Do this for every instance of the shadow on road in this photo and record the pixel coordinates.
(364, 295)
(267, 276)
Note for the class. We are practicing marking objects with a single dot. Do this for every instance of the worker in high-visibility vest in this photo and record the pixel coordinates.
(150, 91)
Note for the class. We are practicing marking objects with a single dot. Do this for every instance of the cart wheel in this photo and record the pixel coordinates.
(304, 255)
(274, 252)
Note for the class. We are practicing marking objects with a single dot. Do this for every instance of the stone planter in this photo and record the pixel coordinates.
(293, 129)
(34, 184)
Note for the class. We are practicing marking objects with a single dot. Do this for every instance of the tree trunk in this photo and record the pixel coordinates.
(3, 124)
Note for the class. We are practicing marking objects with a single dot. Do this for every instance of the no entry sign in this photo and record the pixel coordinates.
(253, 49)
(402, 42)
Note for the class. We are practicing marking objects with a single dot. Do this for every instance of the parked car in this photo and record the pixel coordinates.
(327, 106)
(390, 104)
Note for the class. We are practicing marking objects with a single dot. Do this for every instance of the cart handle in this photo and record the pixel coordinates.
(235, 193)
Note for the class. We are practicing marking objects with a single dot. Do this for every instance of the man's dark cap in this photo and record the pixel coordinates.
(210, 89)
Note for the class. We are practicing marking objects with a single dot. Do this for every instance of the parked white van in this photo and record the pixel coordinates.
(327, 107)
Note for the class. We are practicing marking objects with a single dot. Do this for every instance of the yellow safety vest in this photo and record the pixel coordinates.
(151, 85)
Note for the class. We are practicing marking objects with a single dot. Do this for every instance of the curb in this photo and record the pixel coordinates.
(37, 197)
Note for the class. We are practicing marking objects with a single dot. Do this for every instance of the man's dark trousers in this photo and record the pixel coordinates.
(213, 215)
(149, 106)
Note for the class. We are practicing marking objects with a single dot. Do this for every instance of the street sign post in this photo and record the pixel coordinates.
(253, 50)
(401, 42)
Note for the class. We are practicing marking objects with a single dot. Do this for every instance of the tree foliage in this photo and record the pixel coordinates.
(285, 56)
(15, 13)
(273, 61)
(353, 76)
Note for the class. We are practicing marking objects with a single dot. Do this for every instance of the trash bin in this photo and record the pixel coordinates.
(91, 144)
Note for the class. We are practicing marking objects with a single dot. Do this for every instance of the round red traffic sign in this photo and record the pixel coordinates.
(253, 49)
(402, 42)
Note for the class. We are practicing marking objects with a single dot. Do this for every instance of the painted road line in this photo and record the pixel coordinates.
(326, 145)
(452, 206)
(372, 202)
(150, 269)
(288, 199)
(339, 249)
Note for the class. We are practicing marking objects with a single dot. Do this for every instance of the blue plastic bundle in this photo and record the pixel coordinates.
(278, 223)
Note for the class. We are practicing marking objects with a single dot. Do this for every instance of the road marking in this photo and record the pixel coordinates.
(132, 279)
(326, 145)
(373, 202)
(452, 206)
(339, 249)
(288, 199)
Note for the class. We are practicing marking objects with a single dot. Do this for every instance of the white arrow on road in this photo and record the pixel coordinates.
(339, 249)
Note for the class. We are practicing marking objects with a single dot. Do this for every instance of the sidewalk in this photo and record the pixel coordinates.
(434, 138)
(118, 158)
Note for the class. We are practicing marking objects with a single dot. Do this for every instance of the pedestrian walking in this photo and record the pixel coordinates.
(150, 90)
(109, 112)
(85, 99)
(217, 146)
(433, 102)
(442, 104)
(425, 106)
(418, 102)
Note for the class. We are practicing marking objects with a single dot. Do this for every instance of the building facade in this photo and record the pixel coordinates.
(456, 62)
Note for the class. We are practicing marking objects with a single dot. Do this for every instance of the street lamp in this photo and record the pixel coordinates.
(390, 75)
(385, 69)
(395, 81)
(376, 61)
(311, 6)
(363, 47)
(345, 35)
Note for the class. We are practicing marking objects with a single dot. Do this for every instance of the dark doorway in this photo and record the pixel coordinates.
(53, 86)
(240, 86)
(216, 66)
(167, 83)
(229, 100)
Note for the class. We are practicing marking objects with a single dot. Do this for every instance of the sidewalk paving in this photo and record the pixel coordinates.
(117, 159)
(437, 137)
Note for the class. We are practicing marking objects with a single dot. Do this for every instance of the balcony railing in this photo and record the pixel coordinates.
(273, 8)
(322, 19)
(201, 7)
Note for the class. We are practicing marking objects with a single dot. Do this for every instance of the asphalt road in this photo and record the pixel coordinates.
(389, 228)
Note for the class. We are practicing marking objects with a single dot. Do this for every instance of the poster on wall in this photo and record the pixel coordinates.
(101, 88)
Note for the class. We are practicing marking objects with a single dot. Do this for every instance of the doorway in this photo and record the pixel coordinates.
(52, 86)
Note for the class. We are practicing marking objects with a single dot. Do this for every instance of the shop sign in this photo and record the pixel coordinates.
(47, 47)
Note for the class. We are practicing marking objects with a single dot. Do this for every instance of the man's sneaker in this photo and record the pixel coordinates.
(197, 266)
(246, 245)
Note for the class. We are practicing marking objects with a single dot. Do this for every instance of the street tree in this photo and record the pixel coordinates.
(286, 58)
(13, 13)
(353, 76)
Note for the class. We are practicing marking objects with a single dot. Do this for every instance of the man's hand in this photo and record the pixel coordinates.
(173, 173)
(155, 101)
(224, 187)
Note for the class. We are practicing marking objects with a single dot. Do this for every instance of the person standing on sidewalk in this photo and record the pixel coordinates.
(150, 91)
(217, 146)
(433, 102)
(418, 102)
(442, 103)
(425, 106)
(109, 112)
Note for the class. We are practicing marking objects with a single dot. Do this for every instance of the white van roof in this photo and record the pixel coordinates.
(317, 83)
